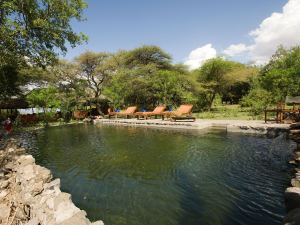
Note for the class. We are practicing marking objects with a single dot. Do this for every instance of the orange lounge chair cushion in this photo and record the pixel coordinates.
(157, 111)
(182, 110)
(129, 110)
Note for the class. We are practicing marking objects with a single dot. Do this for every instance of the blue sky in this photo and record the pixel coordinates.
(177, 26)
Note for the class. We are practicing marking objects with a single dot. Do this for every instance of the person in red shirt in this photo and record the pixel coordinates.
(8, 126)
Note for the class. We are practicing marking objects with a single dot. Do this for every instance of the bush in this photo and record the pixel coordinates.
(258, 100)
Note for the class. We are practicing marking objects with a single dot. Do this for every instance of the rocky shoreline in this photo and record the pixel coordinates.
(30, 196)
(292, 194)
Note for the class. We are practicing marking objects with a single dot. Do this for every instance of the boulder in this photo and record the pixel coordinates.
(295, 126)
(33, 221)
(21, 214)
(33, 189)
(297, 154)
(43, 174)
(3, 194)
(53, 185)
(78, 219)
(98, 223)
(26, 160)
(5, 210)
(293, 217)
(27, 173)
(10, 150)
(295, 183)
(292, 198)
(64, 207)
(36, 188)
(4, 184)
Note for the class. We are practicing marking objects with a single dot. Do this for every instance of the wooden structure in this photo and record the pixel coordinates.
(129, 112)
(158, 111)
(9, 107)
(80, 114)
(184, 112)
(283, 114)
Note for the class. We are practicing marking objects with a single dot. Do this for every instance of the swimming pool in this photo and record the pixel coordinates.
(145, 176)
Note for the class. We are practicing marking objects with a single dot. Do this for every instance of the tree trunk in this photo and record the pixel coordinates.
(98, 107)
(211, 101)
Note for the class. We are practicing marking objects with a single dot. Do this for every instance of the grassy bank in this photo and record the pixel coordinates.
(231, 112)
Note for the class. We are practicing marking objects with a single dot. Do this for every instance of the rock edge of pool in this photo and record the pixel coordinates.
(28, 193)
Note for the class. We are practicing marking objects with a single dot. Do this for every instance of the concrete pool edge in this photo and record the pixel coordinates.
(29, 194)
(239, 126)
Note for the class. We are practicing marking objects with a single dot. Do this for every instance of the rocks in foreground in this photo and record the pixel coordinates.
(292, 194)
(29, 195)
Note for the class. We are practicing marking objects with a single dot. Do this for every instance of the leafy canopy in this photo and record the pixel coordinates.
(35, 30)
(217, 76)
(281, 75)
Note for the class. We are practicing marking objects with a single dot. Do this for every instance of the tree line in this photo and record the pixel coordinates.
(33, 33)
(146, 77)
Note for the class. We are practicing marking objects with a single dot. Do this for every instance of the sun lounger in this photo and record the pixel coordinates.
(184, 112)
(129, 112)
(158, 111)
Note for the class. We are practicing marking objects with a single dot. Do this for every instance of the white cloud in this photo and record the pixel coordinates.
(198, 56)
(237, 49)
(278, 29)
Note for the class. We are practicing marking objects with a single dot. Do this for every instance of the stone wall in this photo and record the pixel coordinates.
(29, 195)
(248, 127)
(292, 194)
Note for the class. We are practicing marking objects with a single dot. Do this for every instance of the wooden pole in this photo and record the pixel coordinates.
(265, 116)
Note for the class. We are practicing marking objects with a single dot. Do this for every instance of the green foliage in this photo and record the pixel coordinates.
(145, 77)
(147, 84)
(258, 100)
(279, 78)
(167, 87)
(147, 55)
(96, 69)
(44, 98)
(281, 75)
(222, 77)
(236, 92)
(33, 31)
(228, 112)
(9, 78)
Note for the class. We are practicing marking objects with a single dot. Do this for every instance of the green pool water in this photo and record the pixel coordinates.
(146, 176)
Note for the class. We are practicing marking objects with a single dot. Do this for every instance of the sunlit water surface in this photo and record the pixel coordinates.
(146, 176)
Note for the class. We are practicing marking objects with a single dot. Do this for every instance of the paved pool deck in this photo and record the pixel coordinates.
(242, 126)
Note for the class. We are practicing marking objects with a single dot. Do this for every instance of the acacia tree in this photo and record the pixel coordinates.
(145, 76)
(147, 55)
(95, 69)
(133, 73)
(71, 88)
(217, 76)
(212, 77)
(33, 30)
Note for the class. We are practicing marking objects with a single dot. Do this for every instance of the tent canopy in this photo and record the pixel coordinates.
(292, 100)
